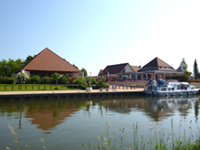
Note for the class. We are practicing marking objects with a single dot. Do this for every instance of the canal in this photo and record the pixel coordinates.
(69, 123)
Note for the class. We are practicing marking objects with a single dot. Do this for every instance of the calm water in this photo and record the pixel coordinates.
(67, 124)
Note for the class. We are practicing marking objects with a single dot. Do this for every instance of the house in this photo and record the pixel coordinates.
(47, 62)
(119, 70)
(155, 69)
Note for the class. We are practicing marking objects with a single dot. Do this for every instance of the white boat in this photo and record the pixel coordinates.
(163, 88)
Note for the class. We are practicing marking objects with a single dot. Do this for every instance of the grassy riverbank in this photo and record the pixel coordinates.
(37, 87)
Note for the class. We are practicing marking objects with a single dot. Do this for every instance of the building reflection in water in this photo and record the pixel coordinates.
(50, 113)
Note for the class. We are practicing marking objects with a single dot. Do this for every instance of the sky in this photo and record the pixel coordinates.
(95, 33)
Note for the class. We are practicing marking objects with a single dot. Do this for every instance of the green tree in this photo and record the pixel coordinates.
(63, 80)
(82, 81)
(184, 64)
(84, 71)
(55, 77)
(188, 73)
(88, 81)
(196, 70)
(28, 58)
(75, 66)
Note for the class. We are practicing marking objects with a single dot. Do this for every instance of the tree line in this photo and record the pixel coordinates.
(196, 73)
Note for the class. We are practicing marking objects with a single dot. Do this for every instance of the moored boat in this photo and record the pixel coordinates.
(165, 88)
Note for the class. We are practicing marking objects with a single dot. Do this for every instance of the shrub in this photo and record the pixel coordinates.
(24, 77)
(82, 81)
(28, 81)
(71, 79)
(7, 80)
(55, 77)
(93, 81)
(46, 80)
(63, 80)
(34, 79)
(102, 83)
(185, 77)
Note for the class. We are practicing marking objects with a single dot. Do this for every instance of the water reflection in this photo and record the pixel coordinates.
(47, 114)
(160, 108)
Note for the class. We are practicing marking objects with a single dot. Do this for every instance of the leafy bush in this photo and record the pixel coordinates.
(82, 81)
(185, 77)
(102, 83)
(63, 80)
(24, 77)
(46, 80)
(93, 81)
(7, 80)
(35, 79)
(71, 79)
(88, 81)
(55, 77)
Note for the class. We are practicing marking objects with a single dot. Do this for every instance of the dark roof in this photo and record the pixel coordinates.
(113, 69)
(181, 69)
(48, 61)
(100, 72)
(157, 64)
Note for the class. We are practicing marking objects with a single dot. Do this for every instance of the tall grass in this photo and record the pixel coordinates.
(16, 141)
(156, 139)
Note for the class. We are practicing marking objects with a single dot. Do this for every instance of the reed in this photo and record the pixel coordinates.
(156, 139)
(16, 141)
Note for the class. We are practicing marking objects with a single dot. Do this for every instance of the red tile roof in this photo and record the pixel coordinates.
(48, 61)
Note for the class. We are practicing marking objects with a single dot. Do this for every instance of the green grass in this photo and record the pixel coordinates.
(34, 87)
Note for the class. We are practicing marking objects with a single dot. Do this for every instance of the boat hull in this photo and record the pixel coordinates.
(171, 93)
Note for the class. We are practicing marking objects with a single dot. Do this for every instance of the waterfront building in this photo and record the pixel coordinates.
(155, 69)
(47, 62)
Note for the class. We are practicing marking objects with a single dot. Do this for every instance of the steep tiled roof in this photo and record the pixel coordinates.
(156, 64)
(47, 60)
(113, 69)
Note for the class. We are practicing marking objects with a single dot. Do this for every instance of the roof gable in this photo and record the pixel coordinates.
(113, 69)
(156, 64)
(136, 68)
(47, 60)
(181, 69)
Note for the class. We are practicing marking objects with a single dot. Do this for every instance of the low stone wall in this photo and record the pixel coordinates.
(127, 85)
(196, 84)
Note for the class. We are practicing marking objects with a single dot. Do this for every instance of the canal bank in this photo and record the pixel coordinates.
(68, 94)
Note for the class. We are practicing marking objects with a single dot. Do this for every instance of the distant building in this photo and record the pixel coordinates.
(155, 69)
(47, 62)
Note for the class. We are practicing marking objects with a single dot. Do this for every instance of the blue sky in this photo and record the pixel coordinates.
(96, 33)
